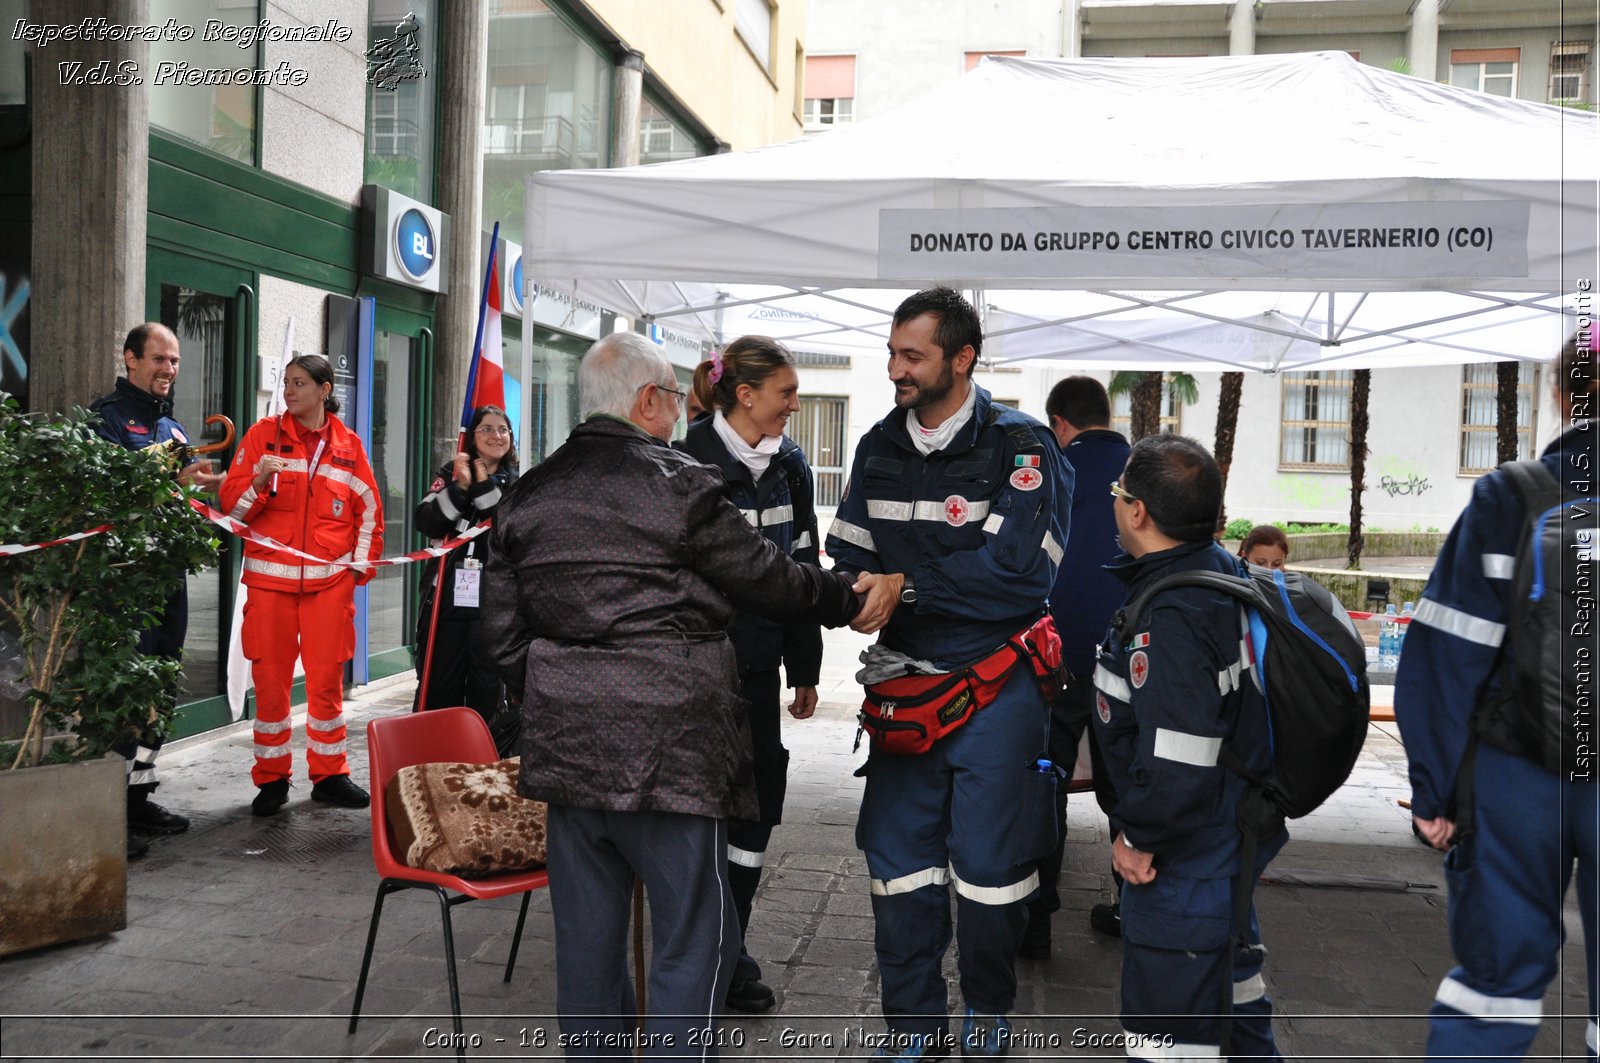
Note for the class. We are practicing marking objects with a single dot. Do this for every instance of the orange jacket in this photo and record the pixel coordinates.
(327, 505)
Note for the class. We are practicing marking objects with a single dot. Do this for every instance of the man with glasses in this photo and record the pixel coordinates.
(1168, 702)
(616, 565)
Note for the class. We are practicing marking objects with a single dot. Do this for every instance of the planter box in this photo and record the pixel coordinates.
(63, 853)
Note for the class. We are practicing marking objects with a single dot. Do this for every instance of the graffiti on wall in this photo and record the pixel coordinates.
(1412, 485)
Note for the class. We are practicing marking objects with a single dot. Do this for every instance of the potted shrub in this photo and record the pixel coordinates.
(71, 615)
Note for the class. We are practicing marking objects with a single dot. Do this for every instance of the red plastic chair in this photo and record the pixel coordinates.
(441, 736)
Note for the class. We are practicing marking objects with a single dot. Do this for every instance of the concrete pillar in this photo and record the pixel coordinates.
(627, 96)
(1071, 30)
(463, 58)
(1423, 46)
(91, 183)
(1242, 28)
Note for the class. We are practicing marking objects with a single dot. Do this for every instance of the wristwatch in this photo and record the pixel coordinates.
(908, 592)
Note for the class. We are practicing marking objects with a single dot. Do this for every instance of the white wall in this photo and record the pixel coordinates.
(314, 134)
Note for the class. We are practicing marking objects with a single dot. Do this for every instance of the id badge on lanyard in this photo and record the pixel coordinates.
(468, 577)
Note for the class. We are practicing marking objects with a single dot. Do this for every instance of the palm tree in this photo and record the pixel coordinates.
(1360, 386)
(1505, 412)
(1227, 428)
(1144, 393)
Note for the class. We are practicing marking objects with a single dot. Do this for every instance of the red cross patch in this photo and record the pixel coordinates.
(1027, 479)
(1101, 707)
(956, 511)
(438, 482)
(1139, 668)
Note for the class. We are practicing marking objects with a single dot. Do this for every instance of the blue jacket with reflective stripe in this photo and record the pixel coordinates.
(1165, 702)
(134, 419)
(978, 526)
(1086, 594)
(1454, 638)
(782, 504)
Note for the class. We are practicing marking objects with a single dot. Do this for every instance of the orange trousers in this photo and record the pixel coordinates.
(318, 627)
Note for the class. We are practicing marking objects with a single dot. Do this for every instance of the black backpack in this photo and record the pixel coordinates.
(1311, 667)
(1555, 569)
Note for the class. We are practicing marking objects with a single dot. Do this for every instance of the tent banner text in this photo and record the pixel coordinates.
(1432, 240)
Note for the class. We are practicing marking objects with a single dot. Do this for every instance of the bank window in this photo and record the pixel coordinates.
(1171, 410)
(972, 59)
(753, 21)
(1480, 397)
(548, 105)
(400, 115)
(819, 429)
(662, 138)
(1316, 420)
(1569, 71)
(220, 118)
(1491, 70)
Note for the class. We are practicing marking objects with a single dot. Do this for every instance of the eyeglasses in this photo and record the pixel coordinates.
(679, 395)
(494, 429)
(1118, 491)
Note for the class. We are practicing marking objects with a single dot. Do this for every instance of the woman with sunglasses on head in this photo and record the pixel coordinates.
(303, 480)
(751, 389)
(465, 492)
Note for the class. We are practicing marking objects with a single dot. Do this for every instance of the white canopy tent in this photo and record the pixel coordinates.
(1264, 212)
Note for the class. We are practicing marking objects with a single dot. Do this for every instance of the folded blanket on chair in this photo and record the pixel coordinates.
(465, 819)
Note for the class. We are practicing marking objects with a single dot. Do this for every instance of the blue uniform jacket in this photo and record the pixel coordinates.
(1165, 702)
(1086, 593)
(135, 419)
(782, 505)
(1453, 641)
(978, 526)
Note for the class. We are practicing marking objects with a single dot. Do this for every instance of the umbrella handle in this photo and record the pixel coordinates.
(224, 443)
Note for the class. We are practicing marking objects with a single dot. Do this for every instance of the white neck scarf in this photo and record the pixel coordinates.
(928, 440)
(755, 458)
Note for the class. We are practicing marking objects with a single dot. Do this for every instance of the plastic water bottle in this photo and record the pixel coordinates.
(1406, 613)
(1389, 641)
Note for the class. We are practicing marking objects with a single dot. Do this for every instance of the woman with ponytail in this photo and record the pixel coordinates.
(751, 388)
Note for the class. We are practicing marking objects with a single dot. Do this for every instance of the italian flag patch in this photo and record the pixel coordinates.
(1140, 641)
(1028, 460)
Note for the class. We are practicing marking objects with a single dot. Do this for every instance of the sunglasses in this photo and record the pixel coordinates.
(1118, 491)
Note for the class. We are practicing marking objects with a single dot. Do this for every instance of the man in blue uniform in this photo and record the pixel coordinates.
(1082, 602)
(136, 415)
(1519, 804)
(1166, 702)
(954, 515)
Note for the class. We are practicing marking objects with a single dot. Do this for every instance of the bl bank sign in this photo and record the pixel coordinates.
(403, 240)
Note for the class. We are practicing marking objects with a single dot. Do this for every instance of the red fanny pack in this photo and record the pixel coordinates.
(908, 714)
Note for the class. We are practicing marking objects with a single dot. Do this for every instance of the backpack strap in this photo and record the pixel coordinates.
(1538, 489)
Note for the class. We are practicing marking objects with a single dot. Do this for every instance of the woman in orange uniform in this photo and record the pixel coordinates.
(303, 480)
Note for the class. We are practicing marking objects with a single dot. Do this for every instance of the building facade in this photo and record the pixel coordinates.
(227, 166)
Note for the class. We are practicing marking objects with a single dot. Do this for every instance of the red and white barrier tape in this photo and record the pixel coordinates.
(244, 531)
(10, 549)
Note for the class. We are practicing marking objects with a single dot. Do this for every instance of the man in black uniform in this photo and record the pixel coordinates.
(136, 415)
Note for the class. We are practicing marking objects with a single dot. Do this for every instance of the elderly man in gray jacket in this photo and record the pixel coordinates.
(617, 563)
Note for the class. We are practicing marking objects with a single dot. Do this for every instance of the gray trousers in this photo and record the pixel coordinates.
(593, 856)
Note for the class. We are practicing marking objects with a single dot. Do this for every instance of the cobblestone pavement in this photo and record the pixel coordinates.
(244, 935)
